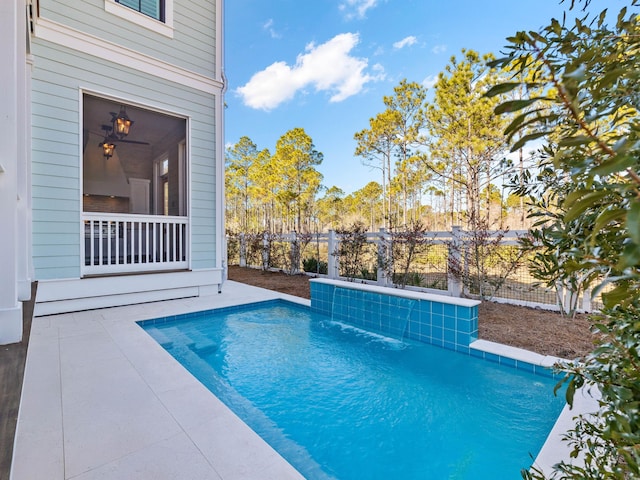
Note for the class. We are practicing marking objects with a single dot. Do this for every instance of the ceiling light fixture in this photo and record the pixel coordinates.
(121, 123)
(107, 144)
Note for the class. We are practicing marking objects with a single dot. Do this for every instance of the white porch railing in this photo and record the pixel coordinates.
(119, 243)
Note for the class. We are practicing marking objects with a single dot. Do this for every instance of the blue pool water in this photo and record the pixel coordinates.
(339, 402)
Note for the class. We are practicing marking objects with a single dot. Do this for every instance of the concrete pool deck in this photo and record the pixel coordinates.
(102, 400)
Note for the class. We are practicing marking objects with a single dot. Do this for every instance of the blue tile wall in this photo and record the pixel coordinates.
(443, 324)
(422, 320)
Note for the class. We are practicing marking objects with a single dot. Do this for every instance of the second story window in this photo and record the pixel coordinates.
(155, 15)
(152, 8)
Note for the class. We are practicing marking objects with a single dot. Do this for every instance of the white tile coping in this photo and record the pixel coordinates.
(397, 292)
(555, 450)
(515, 353)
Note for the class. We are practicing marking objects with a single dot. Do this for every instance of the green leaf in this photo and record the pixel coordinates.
(630, 256)
(633, 222)
(518, 121)
(515, 105)
(578, 207)
(501, 88)
(615, 164)
(527, 138)
(571, 390)
(607, 216)
(617, 296)
(575, 141)
(537, 37)
(499, 62)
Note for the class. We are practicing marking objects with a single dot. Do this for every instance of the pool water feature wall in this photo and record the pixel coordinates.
(440, 320)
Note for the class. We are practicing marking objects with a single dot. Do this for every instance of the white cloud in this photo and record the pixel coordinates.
(405, 42)
(327, 67)
(438, 49)
(430, 81)
(268, 26)
(356, 8)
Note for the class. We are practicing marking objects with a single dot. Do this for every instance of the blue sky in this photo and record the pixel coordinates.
(324, 65)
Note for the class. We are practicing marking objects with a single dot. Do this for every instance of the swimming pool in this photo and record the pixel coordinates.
(339, 402)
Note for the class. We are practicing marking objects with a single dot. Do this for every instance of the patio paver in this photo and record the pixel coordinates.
(102, 400)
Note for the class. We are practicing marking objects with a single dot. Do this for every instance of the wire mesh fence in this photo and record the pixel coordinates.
(450, 263)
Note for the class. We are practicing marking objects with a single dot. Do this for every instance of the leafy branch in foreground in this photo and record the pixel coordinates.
(589, 76)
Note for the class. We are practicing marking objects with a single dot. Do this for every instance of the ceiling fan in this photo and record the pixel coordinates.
(108, 145)
(112, 137)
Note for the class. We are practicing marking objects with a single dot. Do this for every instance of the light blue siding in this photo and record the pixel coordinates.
(192, 46)
(59, 74)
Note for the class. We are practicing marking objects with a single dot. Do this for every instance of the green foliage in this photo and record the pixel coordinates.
(413, 279)
(331, 208)
(313, 265)
(367, 274)
(587, 207)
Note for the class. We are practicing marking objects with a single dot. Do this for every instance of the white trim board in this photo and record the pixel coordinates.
(68, 37)
(69, 295)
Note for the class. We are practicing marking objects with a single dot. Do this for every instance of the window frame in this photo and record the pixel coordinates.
(163, 28)
(160, 4)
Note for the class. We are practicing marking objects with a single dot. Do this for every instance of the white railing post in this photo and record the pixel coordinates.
(130, 243)
(454, 286)
(243, 250)
(333, 262)
(383, 258)
(586, 301)
(265, 251)
(294, 253)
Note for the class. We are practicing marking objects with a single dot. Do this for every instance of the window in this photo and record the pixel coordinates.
(155, 15)
(151, 8)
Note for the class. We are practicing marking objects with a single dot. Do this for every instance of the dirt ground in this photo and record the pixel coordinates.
(540, 331)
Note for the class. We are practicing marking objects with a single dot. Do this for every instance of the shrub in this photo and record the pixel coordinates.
(314, 265)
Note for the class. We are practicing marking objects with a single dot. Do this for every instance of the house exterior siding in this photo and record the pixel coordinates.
(193, 46)
(57, 129)
(98, 48)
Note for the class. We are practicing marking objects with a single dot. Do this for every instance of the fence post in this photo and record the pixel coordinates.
(454, 286)
(294, 253)
(333, 261)
(586, 301)
(265, 251)
(383, 258)
(243, 250)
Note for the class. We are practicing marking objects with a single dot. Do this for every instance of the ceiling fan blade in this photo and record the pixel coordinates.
(131, 141)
